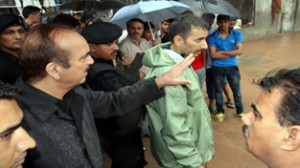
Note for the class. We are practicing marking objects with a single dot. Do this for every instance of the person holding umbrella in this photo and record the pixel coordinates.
(134, 43)
(149, 31)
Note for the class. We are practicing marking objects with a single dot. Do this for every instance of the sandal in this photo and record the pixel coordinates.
(230, 104)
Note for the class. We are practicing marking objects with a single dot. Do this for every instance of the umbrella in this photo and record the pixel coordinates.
(92, 5)
(213, 6)
(150, 11)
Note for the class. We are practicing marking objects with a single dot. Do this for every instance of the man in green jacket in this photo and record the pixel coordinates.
(180, 123)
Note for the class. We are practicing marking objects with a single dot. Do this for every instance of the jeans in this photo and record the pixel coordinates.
(201, 75)
(233, 77)
(210, 85)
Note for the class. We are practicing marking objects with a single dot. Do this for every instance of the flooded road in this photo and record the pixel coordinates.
(259, 56)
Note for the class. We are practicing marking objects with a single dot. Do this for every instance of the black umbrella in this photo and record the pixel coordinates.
(212, 6)
(95, 5)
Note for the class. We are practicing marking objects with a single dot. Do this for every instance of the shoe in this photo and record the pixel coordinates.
(230, 104)
(240, 115)
(219, 117)
(212, 109)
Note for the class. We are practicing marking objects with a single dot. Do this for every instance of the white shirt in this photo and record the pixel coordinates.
(128, 46)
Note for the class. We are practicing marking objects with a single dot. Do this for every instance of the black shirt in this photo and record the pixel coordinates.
(9, 67)
(71, 140)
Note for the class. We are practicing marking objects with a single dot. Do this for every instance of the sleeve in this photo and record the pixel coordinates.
(107, 81)
(110, 104)
(211, 40)
(239, 37)
(124, 48)
(176, 132)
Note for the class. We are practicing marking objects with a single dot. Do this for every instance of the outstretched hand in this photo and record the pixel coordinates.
(171, 77)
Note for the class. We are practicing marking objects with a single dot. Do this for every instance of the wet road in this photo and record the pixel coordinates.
(259, 56)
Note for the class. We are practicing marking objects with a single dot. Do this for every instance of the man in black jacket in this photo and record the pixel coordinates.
(58, 112)
(12, 34)
(120, 136)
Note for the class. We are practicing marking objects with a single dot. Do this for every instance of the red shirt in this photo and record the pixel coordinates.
(198, 64)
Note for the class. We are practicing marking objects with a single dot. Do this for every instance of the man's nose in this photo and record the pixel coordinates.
(17, 35)
(248, 118)
(25, 141)
(203, 45)
(116, 47)
(90, 60)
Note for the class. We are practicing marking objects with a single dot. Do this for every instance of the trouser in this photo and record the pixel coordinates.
(126, 150)
(210, 84)
(233, 77)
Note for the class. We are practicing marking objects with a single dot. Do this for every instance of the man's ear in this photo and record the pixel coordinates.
(178, 40)
(291, 139)
(53, 69)
(92, 47)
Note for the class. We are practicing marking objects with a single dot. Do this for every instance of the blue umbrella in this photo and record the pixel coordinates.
(149, 11)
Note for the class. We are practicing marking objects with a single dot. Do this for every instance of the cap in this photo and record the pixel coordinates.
(101, 32)
(7, 20)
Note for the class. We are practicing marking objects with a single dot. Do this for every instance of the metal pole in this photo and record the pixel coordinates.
(10, 6)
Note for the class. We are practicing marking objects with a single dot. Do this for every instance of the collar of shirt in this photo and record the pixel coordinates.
(174, 55)
(100, 60)
(217, 33)
(41, 104)
(134, 42)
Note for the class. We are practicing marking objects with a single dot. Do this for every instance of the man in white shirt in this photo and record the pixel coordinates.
(134, 43)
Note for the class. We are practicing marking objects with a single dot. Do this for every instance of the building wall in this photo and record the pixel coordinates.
(297, 16)
(287, 20)
(286, 17)
(263, 26)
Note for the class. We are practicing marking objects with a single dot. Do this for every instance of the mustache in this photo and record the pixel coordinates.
(245, 130)
(114, 52)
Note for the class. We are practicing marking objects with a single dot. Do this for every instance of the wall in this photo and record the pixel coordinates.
(287, 16)
(287, 21)
(263, 26)
(297, 17)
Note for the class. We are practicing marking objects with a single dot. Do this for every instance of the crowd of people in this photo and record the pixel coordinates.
(78, 90)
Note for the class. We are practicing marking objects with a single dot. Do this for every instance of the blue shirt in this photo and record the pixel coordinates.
(227, 44)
